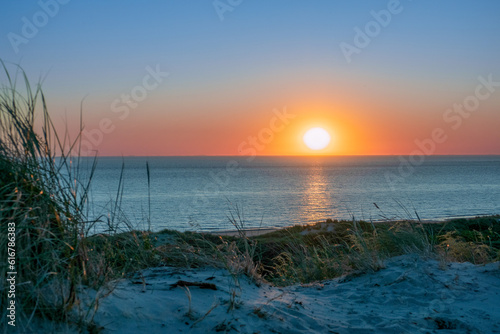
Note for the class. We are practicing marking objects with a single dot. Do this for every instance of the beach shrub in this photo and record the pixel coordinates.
(456, 249)
(304, 254)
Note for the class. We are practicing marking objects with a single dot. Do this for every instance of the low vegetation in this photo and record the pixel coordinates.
(304, 254)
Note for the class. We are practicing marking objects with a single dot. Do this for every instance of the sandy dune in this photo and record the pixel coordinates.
(411, 295)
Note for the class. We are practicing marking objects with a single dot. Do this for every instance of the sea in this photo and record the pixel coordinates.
(206, 193)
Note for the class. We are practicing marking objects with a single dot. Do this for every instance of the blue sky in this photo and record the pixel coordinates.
(263, 51)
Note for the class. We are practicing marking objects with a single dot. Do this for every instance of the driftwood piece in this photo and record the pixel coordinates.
(201, 285)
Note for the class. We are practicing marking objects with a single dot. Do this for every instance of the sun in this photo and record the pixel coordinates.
(316, 138)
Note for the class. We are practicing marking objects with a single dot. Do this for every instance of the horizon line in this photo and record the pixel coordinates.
(295, 156)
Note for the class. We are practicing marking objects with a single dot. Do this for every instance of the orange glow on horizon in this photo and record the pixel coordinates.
(356, 128)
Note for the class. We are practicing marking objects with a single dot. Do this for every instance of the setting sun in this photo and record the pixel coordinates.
(316, 138)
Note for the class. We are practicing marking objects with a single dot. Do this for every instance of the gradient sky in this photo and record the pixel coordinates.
(229, 77)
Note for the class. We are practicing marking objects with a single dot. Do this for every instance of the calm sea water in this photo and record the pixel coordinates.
(189, 193)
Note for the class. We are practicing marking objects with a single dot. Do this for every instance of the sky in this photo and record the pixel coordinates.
(241, 77)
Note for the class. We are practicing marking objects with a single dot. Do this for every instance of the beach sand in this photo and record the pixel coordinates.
(410, 295)
(248, 232)
(312, 227)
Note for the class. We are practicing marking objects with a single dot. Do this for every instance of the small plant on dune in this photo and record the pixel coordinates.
(190, 313)
(297, 255)
(238, 257)
(365, 252)
(190, 249)
(455, 248)
(240, 261)
(308, 260)
(404, 237)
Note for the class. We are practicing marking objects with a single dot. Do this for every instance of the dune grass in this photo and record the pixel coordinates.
(305, 254)
(43, 204)
(45, 207)
(293, 256)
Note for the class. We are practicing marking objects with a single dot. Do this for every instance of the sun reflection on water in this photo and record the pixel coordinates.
(316, 200)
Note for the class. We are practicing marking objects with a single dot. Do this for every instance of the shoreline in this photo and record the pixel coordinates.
(258, 231)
